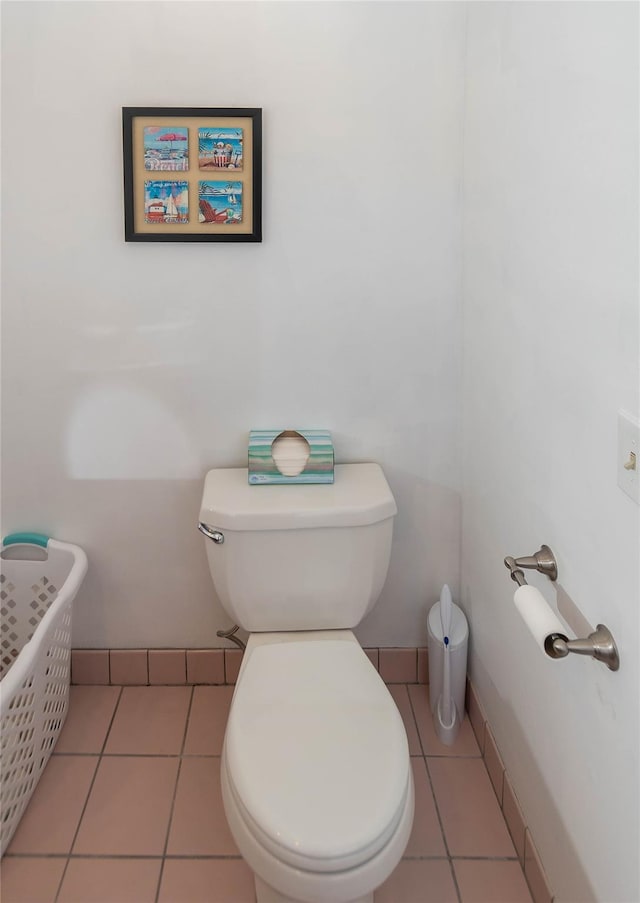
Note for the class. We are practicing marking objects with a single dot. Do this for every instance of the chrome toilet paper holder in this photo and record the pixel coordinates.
(599, 645)
(543, 561)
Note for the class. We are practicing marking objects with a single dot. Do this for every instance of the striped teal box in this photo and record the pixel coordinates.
(263, 469)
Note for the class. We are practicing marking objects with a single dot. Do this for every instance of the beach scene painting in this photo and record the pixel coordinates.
(166, 202)
(220, 202)
(220, 148)
(166, 148)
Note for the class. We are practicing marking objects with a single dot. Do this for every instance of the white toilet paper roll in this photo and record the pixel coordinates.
(538, 615)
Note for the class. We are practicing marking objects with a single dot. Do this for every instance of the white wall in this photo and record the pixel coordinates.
(131, 369)
(550, 355)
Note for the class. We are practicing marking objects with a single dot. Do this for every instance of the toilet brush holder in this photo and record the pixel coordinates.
(448, 641)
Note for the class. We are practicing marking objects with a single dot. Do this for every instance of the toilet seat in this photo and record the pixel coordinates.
(316, 754)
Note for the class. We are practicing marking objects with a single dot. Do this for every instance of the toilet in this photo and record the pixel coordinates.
(315, 771)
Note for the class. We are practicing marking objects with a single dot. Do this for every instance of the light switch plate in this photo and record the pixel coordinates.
(629, 455)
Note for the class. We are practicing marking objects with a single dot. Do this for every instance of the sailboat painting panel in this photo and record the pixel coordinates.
(166, 202)
(220, 202)
(166, 149)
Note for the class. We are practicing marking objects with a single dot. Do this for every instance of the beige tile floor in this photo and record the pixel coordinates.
(129, 810)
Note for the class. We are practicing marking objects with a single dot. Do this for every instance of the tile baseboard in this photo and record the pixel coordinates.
(174, 667)
(513, 815)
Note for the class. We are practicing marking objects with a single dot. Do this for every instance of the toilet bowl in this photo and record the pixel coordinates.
(316, 778)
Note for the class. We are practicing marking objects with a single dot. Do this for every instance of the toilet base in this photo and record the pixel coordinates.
(267, 894)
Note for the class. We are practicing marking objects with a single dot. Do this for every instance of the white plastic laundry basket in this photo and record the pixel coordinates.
(39, 578)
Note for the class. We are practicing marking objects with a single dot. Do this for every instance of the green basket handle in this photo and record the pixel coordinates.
(32, 539)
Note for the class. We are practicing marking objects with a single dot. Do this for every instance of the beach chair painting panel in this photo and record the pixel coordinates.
(166, 149)
(166, 202)
(220, 148)
(220, 202)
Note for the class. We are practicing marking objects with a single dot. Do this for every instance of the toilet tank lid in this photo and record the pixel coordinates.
(359, 495)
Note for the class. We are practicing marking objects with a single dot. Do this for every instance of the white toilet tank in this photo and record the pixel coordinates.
(299, 557)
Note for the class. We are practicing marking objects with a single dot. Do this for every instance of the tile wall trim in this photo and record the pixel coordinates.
(513, 815)
(172, 667)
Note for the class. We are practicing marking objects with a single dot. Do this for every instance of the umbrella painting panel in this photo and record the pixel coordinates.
(192, 174)
(166, 149)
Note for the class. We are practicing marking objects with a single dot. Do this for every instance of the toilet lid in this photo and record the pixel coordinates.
(316, 753)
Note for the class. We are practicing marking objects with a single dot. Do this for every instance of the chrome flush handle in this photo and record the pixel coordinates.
(214, 535)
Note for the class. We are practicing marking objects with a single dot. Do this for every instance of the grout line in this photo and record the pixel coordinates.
(160, 856)
(86, 801)
(175, 793)
(146, 755)
(113, 718)
(435, 801)
(186, 723)
(404, 683)
(166, 839)
(75, 833)
(457, 757)
(133, 856)
(486, 858)
(415, 721)
(454, 878)
(64, 872)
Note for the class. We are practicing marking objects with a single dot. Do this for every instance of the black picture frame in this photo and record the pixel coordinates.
(137, 227)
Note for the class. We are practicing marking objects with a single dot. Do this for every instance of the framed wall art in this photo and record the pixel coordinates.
(192, 173)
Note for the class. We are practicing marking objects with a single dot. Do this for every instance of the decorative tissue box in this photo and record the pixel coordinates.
(290, 456)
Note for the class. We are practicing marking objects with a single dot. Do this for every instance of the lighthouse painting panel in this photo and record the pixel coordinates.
(220, 148)
(166, 149)
(220, 202)
(166, 202)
